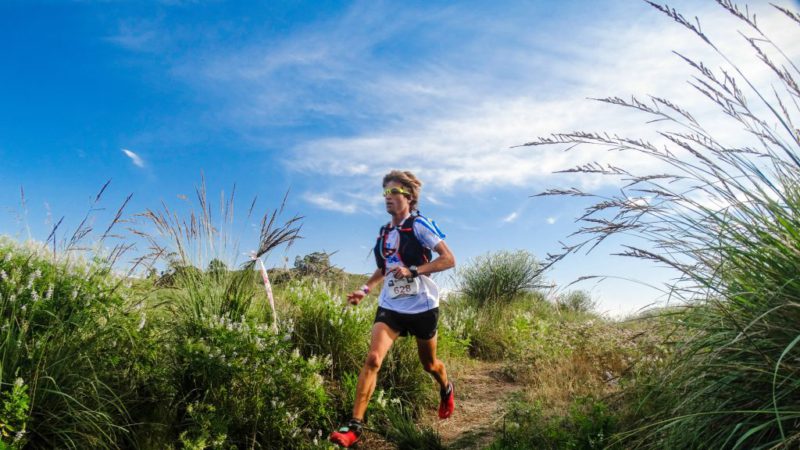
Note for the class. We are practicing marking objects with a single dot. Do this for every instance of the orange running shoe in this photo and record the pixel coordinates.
(348, 435)
(447, 402)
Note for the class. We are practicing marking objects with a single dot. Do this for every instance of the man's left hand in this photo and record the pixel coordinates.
(401, 272)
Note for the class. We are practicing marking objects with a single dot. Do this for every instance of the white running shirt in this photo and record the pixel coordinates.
(427, 297)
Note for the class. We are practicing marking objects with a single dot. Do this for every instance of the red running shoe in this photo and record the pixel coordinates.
(348, 434)
(447, 403)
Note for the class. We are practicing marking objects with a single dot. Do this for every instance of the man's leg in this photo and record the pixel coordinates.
(383, 337)
(426, 348)
(435, 367)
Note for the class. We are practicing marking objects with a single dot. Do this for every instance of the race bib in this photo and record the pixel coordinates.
(403, 287)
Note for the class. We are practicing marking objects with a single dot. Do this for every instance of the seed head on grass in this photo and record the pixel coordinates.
(726, 219)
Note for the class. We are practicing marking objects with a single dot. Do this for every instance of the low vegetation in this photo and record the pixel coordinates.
(194, 356)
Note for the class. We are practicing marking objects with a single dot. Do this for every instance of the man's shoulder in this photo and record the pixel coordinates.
(424, 224)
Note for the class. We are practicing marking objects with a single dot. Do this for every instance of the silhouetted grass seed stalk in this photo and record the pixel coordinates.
(728, 220)
(188, 245)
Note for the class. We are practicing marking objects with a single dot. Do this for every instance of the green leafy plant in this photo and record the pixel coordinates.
(14, 409)
(588, 425)
(59, 321)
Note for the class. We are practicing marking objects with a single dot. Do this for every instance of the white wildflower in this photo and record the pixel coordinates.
(49, 294)
(19, 435)
(18, 382)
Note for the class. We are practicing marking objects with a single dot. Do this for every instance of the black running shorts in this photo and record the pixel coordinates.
(422, 325)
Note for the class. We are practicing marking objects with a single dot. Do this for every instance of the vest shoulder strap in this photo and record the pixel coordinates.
(408, 224)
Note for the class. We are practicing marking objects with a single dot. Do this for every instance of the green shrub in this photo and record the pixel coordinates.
(588, 425)
(577, 301)
(499, 277)
(14, 407)
(475, 327)
(58, 323)
(243, 384)
(325, 326)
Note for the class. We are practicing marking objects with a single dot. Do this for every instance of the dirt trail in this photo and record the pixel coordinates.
(481, 390)
(480, 393)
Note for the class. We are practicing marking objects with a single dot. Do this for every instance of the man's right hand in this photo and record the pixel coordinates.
(355, 297)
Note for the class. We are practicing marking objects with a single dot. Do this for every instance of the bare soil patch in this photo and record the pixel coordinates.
(481, 389)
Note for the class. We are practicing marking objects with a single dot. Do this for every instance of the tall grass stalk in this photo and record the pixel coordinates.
(189, 245)
(728, 219)
(62, 311)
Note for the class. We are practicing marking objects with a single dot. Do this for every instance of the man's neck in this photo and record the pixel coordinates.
(397, 219)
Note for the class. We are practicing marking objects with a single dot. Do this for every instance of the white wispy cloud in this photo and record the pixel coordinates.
(511, 217)
(456, 128)
(452, 112)
(326, 201)
(551, 220)
(136, 159)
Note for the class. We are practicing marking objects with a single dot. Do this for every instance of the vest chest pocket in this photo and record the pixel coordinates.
(403, 287)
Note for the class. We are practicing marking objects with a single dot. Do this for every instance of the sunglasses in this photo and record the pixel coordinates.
(395, 191)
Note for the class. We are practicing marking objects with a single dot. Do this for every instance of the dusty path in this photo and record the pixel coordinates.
(480, 393)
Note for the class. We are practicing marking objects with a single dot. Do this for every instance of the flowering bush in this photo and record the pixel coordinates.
(57, 322)
(244, 384)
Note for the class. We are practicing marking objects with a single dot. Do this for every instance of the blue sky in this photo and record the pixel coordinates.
(323, 98)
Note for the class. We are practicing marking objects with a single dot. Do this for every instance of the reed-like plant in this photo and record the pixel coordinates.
(727, 218)
(237, 378)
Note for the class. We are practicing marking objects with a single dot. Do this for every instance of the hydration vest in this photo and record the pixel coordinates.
(409, 249)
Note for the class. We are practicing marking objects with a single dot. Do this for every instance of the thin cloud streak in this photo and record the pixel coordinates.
(511, 217)
(136, 159)
(325, 201)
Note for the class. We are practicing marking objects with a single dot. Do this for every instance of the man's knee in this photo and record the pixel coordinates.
(430, 366)
(374, 361)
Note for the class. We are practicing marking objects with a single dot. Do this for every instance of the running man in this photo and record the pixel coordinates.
(409, 300)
